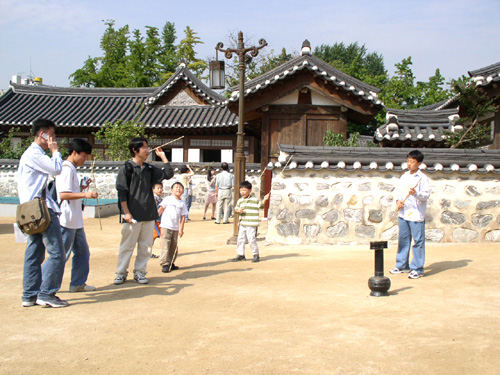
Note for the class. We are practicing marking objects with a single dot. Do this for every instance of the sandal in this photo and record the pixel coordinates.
(154, 256)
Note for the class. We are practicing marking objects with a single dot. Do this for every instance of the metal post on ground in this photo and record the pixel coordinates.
(379, 284)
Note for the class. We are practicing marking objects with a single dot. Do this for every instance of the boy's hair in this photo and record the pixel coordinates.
(184, 169)
(209, 173)
(135, 144)
(246, 184)
(79, 145)
(224, 166)
(42, 124)
(177, 183)
(417, 155)
(156, 184)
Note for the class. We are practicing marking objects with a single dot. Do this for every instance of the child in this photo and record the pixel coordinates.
(212, 193)
(157, 193)
(173, 213)
(248, 208)
(411, 201)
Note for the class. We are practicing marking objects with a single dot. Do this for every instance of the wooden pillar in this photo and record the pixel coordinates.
(496, 132)
(264, 151)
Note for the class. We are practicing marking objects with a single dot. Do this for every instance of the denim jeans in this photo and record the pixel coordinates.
(188, 200)
(44, 281)
(407, 231)
(75, 241)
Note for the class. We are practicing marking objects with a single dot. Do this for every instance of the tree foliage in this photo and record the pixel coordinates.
(9, 150)
(474, 104)
(338, 139)
(136, 60)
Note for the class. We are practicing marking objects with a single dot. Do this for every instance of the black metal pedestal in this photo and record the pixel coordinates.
(379, 284)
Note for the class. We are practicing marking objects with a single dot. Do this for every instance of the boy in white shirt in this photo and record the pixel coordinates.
(69, 192)
(173, 212)
(411, 201)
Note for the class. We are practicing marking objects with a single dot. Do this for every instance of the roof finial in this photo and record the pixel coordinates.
(182, 63)
(306, 48)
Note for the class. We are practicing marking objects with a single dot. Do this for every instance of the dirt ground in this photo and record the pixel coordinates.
(302, 310)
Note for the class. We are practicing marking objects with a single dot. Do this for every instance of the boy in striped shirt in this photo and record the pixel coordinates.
(248, 208)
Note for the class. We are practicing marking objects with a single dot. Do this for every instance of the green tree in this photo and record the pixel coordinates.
(10, 151)
(337, 139)
(168, 58)
(186, 51)
(474, 104)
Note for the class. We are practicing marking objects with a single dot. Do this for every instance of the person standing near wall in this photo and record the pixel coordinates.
(211, 194)
(224, 183)
(185, 180)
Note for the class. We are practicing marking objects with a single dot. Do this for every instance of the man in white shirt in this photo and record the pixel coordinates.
(41, 284)
(224, 183)
(69, 192)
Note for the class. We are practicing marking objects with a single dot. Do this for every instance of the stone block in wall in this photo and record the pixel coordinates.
(386, 187)
(390, 234)
(288, 229)
(322, 201)
(445, 203)
(448, 189)
(464, 235)
(472, 191)
(428, 218)
(341, 229)
(375, 216)
(341, 186)
(434, 235)
(275, 199)
(449, 217)
(353, 201)
(365, 186)
(354, 214)
(300, 199)
(461, 204)
(386, 200)
(493, 236)
(284, 215)
(486, 205)
(493, 190)
(322, 186)
(368, 200)
(331, 216)
(311, 231)
(365, 231)
(338, 199)
(481, 220)
(279, 186)
(305, 214)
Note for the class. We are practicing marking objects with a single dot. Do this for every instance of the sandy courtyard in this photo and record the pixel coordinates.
(302, 310)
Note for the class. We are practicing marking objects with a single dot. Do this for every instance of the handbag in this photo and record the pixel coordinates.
(33, 217)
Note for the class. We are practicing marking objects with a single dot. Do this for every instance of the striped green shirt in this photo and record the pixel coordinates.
(251, 206)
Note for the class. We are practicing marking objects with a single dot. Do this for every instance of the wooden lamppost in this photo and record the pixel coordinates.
(239, 156)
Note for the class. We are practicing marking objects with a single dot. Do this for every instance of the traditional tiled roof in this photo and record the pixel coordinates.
(419, 126)
(316, 66)
(366, 159)
(198, 87)
(487, 75)
(93, 107)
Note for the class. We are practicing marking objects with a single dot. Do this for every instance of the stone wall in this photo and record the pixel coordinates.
(339, 207)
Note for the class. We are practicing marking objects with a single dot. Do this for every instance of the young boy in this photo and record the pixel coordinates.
(173, 213)
(411, 201)
(157, 193)
(69, 191)
(248, 208)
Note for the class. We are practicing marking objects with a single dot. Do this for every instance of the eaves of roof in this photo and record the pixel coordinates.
(317, 67)
(487, 75)
(366, 159)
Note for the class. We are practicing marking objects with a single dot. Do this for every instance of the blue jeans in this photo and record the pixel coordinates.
(75, 241)
(188, 200)
(44, 281)
(407, 231)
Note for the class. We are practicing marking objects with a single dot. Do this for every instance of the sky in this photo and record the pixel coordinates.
(52, 38)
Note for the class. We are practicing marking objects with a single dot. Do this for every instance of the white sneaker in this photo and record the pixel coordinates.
(397, 270)
(120, 279)
(140, 278)
(82, 288)
(415, 275)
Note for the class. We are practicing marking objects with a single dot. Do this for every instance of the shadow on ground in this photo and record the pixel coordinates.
(438, 267)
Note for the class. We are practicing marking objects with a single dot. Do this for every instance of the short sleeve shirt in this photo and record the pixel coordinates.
(71, 210)
(174, 210)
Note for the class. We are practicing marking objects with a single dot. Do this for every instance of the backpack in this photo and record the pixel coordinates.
(51, 186)
(129, 171)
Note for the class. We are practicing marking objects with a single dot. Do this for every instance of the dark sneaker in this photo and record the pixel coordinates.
(51, 301)
(415, 275)
(140, 278)
(165, 269)
(120, 279)
(174, 267)
(256, 259)
(239, 258)
(397, 270)
(29, 302)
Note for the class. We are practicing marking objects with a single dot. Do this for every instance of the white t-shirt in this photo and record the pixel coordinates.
(71, 211)
(174, 209)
